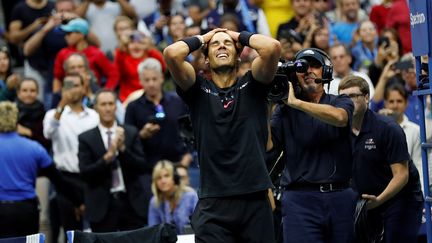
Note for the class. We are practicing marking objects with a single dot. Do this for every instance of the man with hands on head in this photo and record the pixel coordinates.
(383, 172)
(312, 128)
(233, 113)
(111, 160)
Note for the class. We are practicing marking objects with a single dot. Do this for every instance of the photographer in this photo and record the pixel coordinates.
(313, 128)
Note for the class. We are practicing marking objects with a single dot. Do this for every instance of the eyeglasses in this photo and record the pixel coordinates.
(355, 95)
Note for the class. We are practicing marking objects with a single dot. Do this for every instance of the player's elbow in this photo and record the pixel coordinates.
(170, 53)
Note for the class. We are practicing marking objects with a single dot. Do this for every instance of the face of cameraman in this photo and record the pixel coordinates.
(309, 87)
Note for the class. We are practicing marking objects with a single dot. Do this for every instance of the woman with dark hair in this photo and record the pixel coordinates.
(176, 31)
(31, 112)
(395, 104)
(8, 80)
(318, 37)
(389, 50)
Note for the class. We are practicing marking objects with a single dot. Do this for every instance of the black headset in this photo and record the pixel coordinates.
(327, 74)
(176, 176)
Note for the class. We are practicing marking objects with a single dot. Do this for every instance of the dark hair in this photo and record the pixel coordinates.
(205, 49)
(396, 87)
(28, 79)
(396, 35)
(6, 51)
(354, 81)
(315, 33)
(75, 75)
(101, 91)
(229, 17)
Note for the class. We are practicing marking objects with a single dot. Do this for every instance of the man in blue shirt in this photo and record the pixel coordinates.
(383, 172)
(313, 132)
(20, 161)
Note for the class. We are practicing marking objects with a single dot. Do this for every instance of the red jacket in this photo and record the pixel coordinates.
(127, 67)
(98, 62)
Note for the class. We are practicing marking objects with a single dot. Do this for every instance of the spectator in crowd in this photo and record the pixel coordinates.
(302, 20)
(172, 201)
(183, 173)
(101, 15)
(197, 12)
(138, 48)
(76, 38)
(291, 43)
(383, 172)
(8, 80)
(27, 18)
(318, 37)
(155, 114)
(344, 29)
(341, 58)
(378, 14)
(155, 24)
(389, 50)
(176, 31)
(78, 63)
(42, 47)
(63, 125)
(313, 131)
(251, 18)
(30, 125)
(395, 104)
(398, 18)
(276, 12)
(366, 48)
(21, 161)
(123, 27)
(402, 72)
(232, 112)
(339, 14)
(110, 161)
(31, 112)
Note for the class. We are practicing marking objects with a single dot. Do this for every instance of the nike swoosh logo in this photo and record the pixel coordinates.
(228, 104)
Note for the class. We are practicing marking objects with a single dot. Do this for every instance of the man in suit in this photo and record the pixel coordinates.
(110, 160)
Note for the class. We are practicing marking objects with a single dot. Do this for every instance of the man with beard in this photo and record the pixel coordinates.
(345, 28)
(312, 128)
(229, 117)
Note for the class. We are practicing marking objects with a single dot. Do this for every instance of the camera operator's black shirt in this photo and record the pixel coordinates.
(230, 128)
(315, 152)
(381, 143)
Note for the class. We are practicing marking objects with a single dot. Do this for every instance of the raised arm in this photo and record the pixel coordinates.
(176, 53)
(327, 113)
(265, 65)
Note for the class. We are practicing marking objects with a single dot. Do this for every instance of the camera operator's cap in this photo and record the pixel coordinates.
(76, 25)
(309, 53)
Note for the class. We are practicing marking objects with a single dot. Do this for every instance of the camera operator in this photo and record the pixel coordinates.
(313, 128)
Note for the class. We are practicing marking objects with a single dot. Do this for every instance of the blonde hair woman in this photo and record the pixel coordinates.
(172, 202)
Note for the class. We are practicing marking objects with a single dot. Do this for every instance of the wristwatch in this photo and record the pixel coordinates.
(59, 109)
